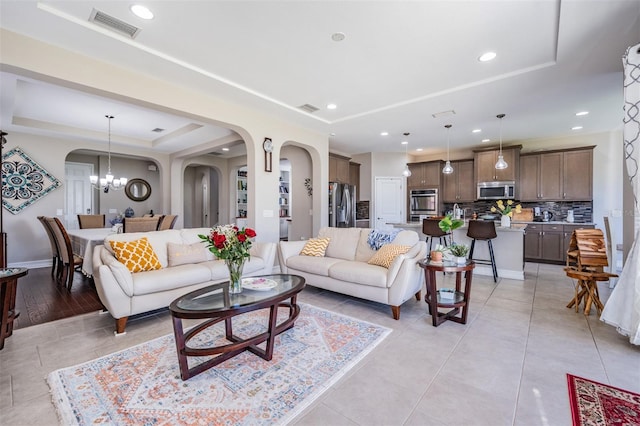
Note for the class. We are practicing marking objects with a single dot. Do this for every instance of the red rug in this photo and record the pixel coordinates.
(594, 403)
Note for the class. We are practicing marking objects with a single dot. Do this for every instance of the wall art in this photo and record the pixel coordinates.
(23, 181)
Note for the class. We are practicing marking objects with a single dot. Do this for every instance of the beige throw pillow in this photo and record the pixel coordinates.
(180, 254)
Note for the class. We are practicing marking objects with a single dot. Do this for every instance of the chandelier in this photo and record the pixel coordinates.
(501, 164)
(108, 182)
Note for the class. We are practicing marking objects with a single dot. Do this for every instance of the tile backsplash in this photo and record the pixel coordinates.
(582, 210)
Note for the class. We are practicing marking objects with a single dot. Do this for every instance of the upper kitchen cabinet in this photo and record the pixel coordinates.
(338, 168)
(425, 175)
(459, 186)
(354, 177)
(562, 175)
(485, 164)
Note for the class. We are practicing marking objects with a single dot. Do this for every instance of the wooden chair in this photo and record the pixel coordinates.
(431, 228)
(586, 258)
(68, 261)
(167, 221)
(91, 221)
(54, 246)
(140, 224)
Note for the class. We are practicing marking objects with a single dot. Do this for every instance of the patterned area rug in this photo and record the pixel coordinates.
(142, 385)
(594, 403)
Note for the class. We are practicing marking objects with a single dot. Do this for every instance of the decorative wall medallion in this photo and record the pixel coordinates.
(23, 181)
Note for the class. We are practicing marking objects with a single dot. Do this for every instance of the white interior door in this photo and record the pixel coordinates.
(389, 201)
(78, 198)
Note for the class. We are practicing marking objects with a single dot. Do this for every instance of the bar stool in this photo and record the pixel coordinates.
(483, 230)
(431, 229)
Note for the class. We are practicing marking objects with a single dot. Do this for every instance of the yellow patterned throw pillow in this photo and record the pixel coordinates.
(137, 255)
(315, 247)
(387, 254)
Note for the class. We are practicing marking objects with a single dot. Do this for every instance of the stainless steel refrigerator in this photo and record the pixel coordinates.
(342, 205)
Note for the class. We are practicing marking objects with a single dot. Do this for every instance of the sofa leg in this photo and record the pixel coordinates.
(395, 311)
(418, 295)
(121, 324)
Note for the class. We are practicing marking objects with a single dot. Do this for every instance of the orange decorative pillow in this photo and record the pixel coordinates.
(137, 255)
(315, 247)
(387, 254)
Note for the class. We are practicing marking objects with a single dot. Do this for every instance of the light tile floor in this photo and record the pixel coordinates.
(506, 366)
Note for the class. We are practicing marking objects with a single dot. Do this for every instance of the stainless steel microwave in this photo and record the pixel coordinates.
(496, 190)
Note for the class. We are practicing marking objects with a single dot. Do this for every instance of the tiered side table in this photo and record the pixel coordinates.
(8, 285)
(460, 301)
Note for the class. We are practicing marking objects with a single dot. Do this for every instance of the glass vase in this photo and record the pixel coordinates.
(505, 221)
(235, 267)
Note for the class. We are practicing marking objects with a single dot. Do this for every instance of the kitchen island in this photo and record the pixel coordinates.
(508, 248)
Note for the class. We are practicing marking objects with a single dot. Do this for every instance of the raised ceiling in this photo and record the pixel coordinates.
(399, 63)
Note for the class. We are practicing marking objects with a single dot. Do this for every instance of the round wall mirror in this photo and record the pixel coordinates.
(138, 189)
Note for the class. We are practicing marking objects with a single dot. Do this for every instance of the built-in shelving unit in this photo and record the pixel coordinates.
(241, 193)
(285, 199)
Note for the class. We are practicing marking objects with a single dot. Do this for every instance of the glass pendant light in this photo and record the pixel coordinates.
(501, 164)
(447, 169)
(406, 172)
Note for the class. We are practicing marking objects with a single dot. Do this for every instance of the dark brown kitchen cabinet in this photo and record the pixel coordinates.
(338, 168)
(425, 175)
(354, 177)
(459, 185)
(548, 242)
(557, 176)
(533, 242)
(485, 165)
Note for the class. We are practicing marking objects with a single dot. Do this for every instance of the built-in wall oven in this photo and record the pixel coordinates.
(423, 202)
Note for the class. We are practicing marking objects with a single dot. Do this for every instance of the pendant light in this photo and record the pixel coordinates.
(447, 169)
(108, 182)
(501, 164)
(406, 172)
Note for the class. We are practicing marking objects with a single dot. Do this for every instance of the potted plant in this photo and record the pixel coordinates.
(436, 254)
(448, 225)
(459, 251)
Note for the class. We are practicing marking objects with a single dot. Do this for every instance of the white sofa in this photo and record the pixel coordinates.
(124, 293)
(344, 268)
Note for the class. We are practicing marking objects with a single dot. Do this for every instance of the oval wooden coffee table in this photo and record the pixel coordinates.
(216, 304)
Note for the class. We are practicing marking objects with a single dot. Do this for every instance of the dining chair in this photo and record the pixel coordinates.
(140, 224)
(54, 246)
(91, 221)
(68, 260)
(167, 221)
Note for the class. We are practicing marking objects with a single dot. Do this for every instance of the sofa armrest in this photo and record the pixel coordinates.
(267, 252)
(286, 249)
(405, 277)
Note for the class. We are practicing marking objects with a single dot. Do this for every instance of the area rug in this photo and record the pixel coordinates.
(594, 403)
(142, 385)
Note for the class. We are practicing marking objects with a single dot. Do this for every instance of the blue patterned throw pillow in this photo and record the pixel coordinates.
(378, 238)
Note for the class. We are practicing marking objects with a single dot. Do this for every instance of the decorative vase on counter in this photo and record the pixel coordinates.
(235, 274)
(505, 221)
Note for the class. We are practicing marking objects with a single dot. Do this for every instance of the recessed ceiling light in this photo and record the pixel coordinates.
(337, 36)
(582, 113)
(476, 130)
(332, 106)
(419, 149)
(576, 128)
(225, 149)
(332, 134)
(141, 11)
(384, 133)
(485, 57)
(486, 140)
(404, 142)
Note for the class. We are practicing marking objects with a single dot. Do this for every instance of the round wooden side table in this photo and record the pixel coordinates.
(8, 286)
(459, 300)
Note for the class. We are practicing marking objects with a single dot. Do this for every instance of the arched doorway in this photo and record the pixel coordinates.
(201, 190)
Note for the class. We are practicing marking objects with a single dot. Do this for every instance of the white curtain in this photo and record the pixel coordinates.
(623, 307)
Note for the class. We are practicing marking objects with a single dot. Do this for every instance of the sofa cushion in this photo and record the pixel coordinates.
(219, 272)
(169, 278)
(312, 264)
(387, 254)
(157, 239)
(190, 236)
(180, 254)
(343, 242)
(315, 247)
(359, 273)
(137, 255)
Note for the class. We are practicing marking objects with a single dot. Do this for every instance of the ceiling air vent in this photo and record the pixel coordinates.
(308, 108)
(112, 23)
(158, 130)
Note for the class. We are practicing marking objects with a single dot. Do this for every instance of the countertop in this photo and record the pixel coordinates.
(515, 227)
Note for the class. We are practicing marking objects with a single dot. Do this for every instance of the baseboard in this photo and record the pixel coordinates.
(502, 273)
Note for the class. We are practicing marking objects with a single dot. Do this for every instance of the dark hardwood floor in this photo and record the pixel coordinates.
(39, 299)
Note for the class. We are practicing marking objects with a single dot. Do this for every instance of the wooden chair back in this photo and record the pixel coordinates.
(55, 251)
(91, 221)
(68, 261)
(587, 250)
(167, 222)
(140, 224)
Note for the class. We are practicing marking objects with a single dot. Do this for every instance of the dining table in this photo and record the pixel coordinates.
(83, 242)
